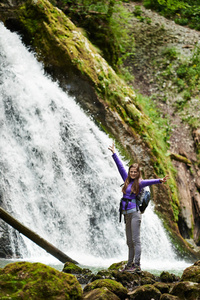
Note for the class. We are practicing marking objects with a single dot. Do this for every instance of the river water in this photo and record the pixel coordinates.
(57, 175)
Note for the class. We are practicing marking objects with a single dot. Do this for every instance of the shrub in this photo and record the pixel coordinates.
(183, 12)
(181, 21)
(107, 24)
(170, 53)
(137, 10)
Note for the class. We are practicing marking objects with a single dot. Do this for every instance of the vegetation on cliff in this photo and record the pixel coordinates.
(165, 51)
(106, 24)
(183, 12)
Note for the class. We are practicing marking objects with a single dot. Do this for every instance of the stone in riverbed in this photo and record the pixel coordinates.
(147, 292)
(83, 275)
(186, 290)
(100, 293)
(162, 287)
(169, 297)
(25, 280)
(167, 277)
(112, 285)
(192, 273)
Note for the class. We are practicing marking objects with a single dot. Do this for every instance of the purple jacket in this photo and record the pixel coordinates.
(142, 184)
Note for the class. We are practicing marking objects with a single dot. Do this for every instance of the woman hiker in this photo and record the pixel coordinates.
(131, 188)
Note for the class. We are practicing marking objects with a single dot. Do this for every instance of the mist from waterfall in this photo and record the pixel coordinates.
(57, 175)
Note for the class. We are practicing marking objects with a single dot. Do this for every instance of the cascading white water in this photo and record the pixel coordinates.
(57, 174)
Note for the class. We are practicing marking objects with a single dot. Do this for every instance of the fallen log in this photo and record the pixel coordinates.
(35, 237)
(180, 158)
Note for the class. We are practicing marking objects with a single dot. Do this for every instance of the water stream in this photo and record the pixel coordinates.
(57, 175)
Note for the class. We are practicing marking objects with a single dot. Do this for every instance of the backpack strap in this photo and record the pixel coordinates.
(120, 207)
(120, 211)
(137, 202)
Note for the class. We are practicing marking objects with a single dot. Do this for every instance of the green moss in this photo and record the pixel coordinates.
(180, 158)
(112, 285)
(167, 277)
(72, 268)
(117, 266)
(37, 281)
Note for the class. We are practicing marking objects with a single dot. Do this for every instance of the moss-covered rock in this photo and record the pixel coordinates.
(192, 273)
(147, 292)
(162, 287)
(100, 294)
(83, 275)
(130, 280)
(72, 268)
(24, 280)
(127, 279)
(147, 274)
(167, 277)
(169, 297)
(103, 274)
(118, 266)
(186, 290)
(56, 35)
(147, 280)
(113, 286)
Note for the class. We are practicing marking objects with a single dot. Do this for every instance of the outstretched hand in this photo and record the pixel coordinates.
(164, 179)
(112, 148)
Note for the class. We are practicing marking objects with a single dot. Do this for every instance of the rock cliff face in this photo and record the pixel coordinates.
(69, 57)
(155, 38)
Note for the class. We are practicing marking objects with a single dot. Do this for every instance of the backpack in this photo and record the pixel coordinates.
(143, 198)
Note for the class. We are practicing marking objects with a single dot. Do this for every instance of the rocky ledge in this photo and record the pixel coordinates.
(24, 280)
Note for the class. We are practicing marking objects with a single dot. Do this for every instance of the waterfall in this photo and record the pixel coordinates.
(57, 175)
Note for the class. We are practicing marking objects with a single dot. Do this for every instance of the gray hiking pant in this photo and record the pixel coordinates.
(133, 222)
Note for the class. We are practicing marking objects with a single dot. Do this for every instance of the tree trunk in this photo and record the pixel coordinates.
(35, 237)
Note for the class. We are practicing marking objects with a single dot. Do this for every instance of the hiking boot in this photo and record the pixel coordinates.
(125, 268)
(137, 268)
(132, 269)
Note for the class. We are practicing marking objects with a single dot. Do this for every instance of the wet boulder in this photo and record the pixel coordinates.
(128, 280)
(192, 273)
(147, 292)
(24, 280)
(83, 275)
(147, 278)
(167, 277)
(186, 290)
(112, 285)
(101, 294)
(118, 266)
(162, 287)
(169, 297)
(103, 274)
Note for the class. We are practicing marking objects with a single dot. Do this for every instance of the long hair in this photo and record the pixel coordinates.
(135, 185)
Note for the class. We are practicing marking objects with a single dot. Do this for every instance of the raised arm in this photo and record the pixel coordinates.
(147, 182)
(118, 162)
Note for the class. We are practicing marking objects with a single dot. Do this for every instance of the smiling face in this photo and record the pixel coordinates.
(133, 172)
